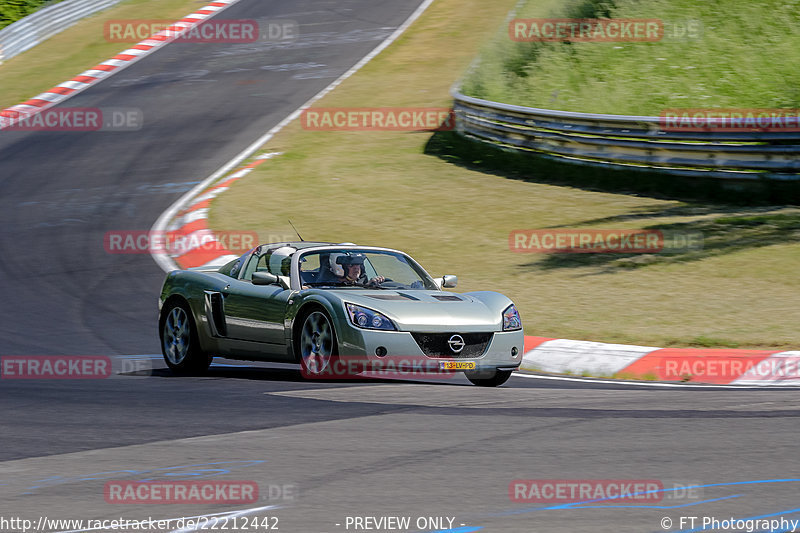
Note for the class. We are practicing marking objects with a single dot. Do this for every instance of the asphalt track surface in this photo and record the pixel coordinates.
(319, 451)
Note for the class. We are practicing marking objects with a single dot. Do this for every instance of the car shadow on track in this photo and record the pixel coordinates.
(288, 375)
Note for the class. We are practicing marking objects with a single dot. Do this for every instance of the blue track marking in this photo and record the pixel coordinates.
(585, 504)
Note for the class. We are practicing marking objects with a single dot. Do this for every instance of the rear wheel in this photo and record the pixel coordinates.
(483, 378)
(179, 341)
(316, 345)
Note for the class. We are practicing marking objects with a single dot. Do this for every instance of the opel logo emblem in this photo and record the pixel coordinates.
(456, 343)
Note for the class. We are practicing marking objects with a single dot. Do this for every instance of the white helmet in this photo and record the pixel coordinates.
(336, 268)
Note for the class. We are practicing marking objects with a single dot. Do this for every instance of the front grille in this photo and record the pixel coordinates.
(436, 344)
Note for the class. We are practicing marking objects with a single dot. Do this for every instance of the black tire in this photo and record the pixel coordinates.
(316, 347)
(180, 345)
(488, 379)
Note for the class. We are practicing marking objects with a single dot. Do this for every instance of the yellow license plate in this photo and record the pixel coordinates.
(456, 365)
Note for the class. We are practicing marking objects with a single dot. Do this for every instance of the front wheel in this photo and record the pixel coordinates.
(179, 342)
(316, 345)
(483, 378)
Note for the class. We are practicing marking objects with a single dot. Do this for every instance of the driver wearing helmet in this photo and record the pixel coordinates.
(353, 266)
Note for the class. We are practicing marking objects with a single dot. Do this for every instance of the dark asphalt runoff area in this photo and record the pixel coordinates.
(334, 456)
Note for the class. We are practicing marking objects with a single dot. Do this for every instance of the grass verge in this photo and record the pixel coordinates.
(392, 189)
(714, 53)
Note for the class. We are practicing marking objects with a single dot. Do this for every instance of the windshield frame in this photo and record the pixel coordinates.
(421, 272)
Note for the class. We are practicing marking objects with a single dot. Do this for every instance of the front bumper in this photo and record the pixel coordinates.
(503, 351)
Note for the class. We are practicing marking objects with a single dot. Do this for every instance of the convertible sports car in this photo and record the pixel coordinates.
(336, 308)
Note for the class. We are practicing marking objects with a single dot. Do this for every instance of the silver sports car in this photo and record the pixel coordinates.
(337, 310)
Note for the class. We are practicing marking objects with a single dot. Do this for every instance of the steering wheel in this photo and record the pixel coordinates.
(394, 284)
(380, 283)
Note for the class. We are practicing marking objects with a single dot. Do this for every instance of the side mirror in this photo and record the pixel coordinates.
(264, 278)
(449, 281)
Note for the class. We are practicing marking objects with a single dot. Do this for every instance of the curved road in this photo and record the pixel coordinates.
(320, 452)
(202, 104)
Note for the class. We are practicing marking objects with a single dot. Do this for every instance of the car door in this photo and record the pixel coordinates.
(255, 312)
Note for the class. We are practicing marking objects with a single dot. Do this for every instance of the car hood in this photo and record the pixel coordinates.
(432, 311)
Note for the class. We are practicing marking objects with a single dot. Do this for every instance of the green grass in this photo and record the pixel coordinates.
(78, 48)
(451, 204)
(708, 342)
(13, 10)
(741, 58)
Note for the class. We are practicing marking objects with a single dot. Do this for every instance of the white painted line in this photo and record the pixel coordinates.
(594, 358)
(210, 194)
(241, 173)
(23, 107)
(224, 513)
(98, 74)
(132, 52)
(71, 84)
(49, 97)
(656, 384)
(204, 525)
(188, 218)
(115, 62)
(166, 263)
(778, 370)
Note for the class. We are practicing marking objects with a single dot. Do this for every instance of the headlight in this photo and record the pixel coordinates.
(368, 319)
(511, 320)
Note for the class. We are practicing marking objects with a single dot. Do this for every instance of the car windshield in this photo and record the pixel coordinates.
(355, 268)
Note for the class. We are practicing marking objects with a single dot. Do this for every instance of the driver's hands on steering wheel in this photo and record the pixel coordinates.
(377, 280)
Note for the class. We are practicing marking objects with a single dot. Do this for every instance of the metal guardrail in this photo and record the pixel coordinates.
(622, 141)
(44, 23)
